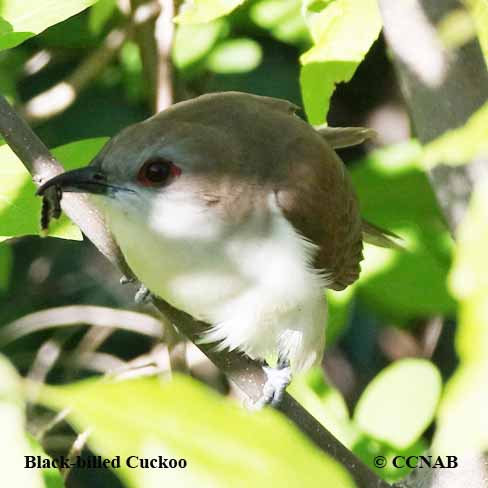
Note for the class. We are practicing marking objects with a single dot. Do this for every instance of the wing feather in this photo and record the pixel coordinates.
(320, 203)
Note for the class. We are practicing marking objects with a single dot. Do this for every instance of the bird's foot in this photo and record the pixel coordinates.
(274, 388)
(124, 280)
(143, 295)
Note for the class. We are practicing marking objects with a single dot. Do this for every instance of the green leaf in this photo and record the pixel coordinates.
(456, 28)
(283, 19)
(326, 404)
(235, 56)
(462, 420)
(131, 63)
(343, 32)
(339, 303)
(5, 266)
(469, 279)
(367, 448)
(21, 19)
(100, 14)
(51, 477)
(400, 402)
(395, 194)
(194, 42)
(479, 12)
(462, 145)
(199, 11)
(19, 207)
(224, 445)
(13, 442)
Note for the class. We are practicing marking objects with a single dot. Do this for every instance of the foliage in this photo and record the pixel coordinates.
(205, 10)
(20, 20)
(462, 419)
(19, 207)
(463, 144)
(14, 444)
(287, 48)
(183, 420)
(375, 429)
(336, 52)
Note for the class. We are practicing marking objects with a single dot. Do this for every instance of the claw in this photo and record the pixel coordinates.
(278, 380)
(142, 295)
(124, 280)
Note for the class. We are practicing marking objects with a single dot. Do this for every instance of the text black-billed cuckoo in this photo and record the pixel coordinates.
(235, 210)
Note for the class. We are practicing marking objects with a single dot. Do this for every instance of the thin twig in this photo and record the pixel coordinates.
(55, 420)
(164, 36)
(154, 33)
(44, 361)
(98, 362)
(76, 450)
(62, 95)
(79, 315)
(248, 375)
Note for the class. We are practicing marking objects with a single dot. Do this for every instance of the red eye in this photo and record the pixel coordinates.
(157, 172)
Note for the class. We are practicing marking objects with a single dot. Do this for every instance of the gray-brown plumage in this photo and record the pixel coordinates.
(234, 209)
(266, 147)
(283, 154)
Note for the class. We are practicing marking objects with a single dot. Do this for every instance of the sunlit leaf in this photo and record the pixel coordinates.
(13, 64)
(462, 145)
(368, 448)
(235, 56)
(19, 207)
(339, 303)
(100, 14)
(51, 476)
(224, 445)
(199, 11)
(343, 31)
(131, 63)
(5, 266)
(469, 279)
(282, 18)
(479, 11)
(326, 404)
(193, 42)
(456, 28)
(13, 441)
(400, 402)
(394, 193)
(462, 420)
(21, 19)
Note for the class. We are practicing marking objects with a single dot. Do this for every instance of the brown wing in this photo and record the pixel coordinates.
(320, 203)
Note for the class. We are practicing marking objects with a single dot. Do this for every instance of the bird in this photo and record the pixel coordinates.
(234, 209)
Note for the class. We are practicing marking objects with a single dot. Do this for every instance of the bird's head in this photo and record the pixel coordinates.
(218, 150)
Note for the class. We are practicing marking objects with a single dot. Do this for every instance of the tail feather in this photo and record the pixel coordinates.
(339, 137)
(372, 234)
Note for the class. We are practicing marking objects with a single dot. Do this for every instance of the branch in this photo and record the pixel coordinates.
(154, 33)
(442, 88)
(79, 315)
(62, 95)
(248, 375)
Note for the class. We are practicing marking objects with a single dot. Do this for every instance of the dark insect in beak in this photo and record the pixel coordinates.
(84, 180)
(51, 208)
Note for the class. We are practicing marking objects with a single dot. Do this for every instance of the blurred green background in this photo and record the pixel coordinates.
(391, 338)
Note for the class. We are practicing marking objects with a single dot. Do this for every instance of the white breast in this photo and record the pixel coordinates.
(253, 283)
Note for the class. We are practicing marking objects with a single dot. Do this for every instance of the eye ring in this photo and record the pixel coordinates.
(157, 172)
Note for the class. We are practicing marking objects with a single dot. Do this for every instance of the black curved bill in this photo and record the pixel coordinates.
(83, 180)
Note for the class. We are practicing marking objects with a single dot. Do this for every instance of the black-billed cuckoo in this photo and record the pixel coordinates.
(235, 210)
